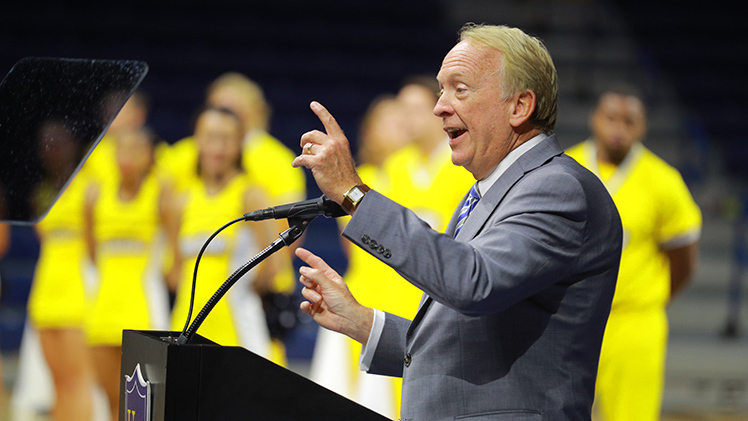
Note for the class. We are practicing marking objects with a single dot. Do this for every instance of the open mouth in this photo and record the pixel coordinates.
(455, 133)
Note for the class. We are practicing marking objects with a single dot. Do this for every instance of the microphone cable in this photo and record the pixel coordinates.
(197, 263)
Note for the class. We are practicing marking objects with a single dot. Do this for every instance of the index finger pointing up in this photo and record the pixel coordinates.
(331, 125)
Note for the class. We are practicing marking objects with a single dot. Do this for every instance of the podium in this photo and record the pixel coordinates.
(204, 381)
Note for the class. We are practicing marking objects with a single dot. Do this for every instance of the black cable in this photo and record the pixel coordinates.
(197, 263)
(187, 333)
(295, 230)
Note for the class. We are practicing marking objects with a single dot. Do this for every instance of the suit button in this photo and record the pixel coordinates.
(407, 359)
(380, 249)
(365, 239)
(387, 253)
(373, 244)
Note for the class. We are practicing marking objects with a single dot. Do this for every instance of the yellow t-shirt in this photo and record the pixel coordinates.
(131, 292)
(657, 214)
(237, 319)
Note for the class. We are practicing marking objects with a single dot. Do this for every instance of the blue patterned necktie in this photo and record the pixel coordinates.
(467, 207)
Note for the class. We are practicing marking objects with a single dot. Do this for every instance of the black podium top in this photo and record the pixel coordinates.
(205, 381)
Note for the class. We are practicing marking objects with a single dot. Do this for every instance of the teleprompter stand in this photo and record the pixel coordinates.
(203, 381)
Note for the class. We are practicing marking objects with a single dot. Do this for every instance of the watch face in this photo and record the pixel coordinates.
(356, 194)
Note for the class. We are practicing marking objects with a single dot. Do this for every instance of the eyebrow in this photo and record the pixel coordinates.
(451, 76)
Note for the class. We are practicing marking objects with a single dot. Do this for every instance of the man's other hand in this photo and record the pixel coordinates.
(330, 302)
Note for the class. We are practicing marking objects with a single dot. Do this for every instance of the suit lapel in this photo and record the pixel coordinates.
(532, 159)
(488, 203)
(426, 300)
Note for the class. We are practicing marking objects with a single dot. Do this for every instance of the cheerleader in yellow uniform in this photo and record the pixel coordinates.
(57, 301)
(262, 154)
(218, 195)
(123, 219)
(661, 226)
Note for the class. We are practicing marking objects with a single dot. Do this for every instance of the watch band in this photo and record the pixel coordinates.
(350, 201)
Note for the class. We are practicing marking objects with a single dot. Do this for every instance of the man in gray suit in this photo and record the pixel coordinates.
(518, 290)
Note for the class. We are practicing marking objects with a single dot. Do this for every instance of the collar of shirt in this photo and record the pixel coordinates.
(509, 159)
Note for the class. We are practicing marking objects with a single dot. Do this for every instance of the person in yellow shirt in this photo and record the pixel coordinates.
(661, 227)
(123, 220)
(219, 194)
(265, 159)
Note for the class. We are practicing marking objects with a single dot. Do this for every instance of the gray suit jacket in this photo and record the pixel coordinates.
(515, 306)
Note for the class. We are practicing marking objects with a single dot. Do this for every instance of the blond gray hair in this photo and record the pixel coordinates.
(526, 65)
(250, 91)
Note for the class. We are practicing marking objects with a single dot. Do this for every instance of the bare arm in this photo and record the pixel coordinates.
(264, 233)
(170, 210)
(683, 263)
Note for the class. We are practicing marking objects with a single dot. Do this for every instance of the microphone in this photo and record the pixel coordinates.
(306, 209)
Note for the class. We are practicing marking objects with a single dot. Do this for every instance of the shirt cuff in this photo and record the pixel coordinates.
(367, 351)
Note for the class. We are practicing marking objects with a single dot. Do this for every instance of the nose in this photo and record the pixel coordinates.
(618, 130)
(442, 107)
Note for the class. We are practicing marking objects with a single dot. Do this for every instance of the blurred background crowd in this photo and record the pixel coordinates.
(222, 110)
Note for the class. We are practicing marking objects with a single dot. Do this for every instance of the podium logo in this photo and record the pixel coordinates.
(137, 397)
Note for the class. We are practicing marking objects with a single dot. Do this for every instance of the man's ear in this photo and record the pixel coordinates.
(523, 105)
